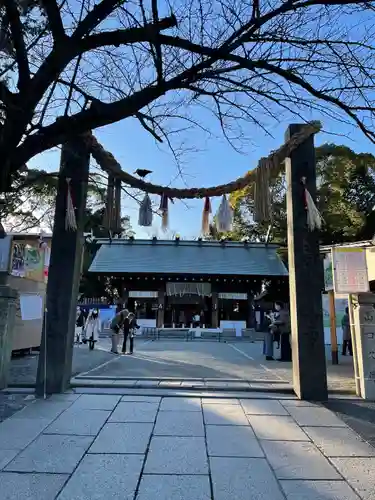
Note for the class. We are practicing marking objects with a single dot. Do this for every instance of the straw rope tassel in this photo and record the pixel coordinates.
(70, 216)
(314, 218)
(207, 210)
(117, 208)
(109, 205)
(262, 203)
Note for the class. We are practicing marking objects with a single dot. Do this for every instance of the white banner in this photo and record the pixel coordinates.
(233, 296)
(143, 295)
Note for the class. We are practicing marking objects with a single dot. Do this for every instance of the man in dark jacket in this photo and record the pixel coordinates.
(346, 334)
(281, 324)
(129, 325)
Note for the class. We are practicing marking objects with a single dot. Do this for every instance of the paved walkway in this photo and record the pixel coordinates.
(241, 362)
(101, 446)
(23, 369)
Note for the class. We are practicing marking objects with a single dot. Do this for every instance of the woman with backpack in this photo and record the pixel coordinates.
(129, 327)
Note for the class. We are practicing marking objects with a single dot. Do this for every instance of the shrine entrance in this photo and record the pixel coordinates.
(297, 154)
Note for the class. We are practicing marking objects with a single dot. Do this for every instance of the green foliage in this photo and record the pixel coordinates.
(345, 198)
(31, 202)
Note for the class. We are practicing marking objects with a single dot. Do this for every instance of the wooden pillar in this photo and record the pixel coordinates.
(161, 307)
(333, 328)
(64, 273)
(305, 277)
(215, 309)
(250, 323)
(125, 297)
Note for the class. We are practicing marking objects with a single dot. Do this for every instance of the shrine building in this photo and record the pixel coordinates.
(167, 282)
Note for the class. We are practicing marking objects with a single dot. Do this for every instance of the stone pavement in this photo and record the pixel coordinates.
(211, 362)
(203, 361)
(10, 403)
(23, 369)
(107, 446)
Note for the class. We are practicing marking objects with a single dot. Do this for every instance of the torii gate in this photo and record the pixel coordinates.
(305, 267)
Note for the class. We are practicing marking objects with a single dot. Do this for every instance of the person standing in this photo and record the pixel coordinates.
(268, 336)
(202, 319)
(281, 324)
(92, 328)
(346, 334)
(129, 327)
(80, 323)
(116, 325)
(196, 320)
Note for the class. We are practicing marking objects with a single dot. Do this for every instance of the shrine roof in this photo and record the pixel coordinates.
(127, 256)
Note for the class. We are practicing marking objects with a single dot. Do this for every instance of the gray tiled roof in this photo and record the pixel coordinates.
(187, 257)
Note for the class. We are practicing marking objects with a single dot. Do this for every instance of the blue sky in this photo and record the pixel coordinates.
(208, 160)
(213, 162)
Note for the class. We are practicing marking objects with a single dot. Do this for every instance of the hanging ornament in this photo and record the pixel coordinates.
(206, 216)
(224, 216)
(145, 212)
(314, 218)
(70, 217)
(164, 212)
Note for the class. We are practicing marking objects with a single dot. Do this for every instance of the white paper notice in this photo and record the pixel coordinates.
(31, 307)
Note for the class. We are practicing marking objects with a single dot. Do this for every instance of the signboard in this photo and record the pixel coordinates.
(328, 272)
(31, 306)
(364, 323)
(350, 270)
(30, 261)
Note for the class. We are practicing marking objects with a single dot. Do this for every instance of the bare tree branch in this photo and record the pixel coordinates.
(249, 64)
(54, 20)
(98, 14)
(123, 37)
(19, 43)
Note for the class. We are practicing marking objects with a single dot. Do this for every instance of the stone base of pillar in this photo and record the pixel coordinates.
(8, 308)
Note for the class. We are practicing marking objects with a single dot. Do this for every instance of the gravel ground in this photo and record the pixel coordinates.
(23, 370)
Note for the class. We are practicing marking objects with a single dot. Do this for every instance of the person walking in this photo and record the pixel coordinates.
(92, 328)
(346, 334)
(129, 327)
(116, 325)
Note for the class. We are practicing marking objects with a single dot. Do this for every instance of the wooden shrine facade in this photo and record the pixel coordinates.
(167, 283)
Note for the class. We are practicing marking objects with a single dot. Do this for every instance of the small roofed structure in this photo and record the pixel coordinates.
(169, 282)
